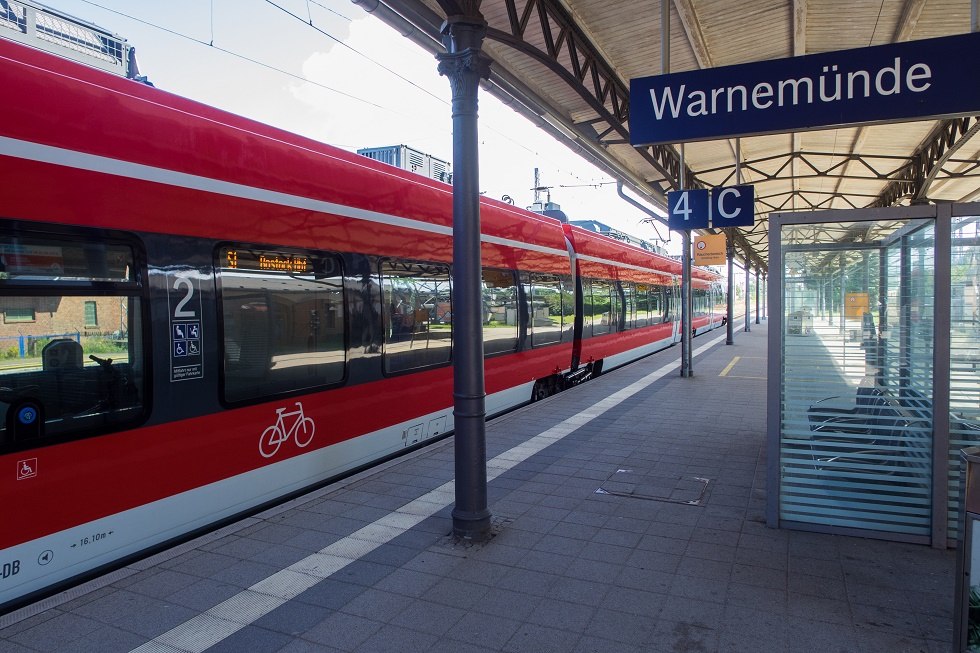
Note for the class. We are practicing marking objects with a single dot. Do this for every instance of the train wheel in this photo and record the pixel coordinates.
(304, 432)
(270, 441)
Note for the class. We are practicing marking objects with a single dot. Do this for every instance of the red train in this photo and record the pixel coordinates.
(203, 314)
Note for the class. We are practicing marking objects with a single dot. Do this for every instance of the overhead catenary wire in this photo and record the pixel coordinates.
(238, 55)
(252, 60)
(356, 51)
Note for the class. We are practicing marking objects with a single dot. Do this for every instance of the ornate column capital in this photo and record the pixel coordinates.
(469, 62)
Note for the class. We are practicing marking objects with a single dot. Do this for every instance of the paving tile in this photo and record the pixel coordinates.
(432, 618)
(396, 638)
(56, 634)
(529, 582)
(106, 639)
(564, 615)
(491, 631)
(591, 644)
(638, 602)
(807, 635)
(507, 603)
(456, 593)
(341, 631)
(631, 629)
(252, 639)
(331, 594)
(578, 591)
(531, 638)
(711, 590)
(670, 635)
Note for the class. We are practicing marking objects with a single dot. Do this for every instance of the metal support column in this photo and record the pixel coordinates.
(942, 345)
(882, 316)
(730, 254)
(748, 285)
(687, 368)
(843, 295)
(687, 303)
(464, 65)
(905, 314)
(765, 298)
(757, 295)
(687, 306)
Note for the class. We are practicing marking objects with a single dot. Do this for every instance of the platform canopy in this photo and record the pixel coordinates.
(567, 64)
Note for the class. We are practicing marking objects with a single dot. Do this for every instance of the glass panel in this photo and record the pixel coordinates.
(964, 356)
(421, 330)
(283, 319)
(13, 314)
(856, 409)
(702, 302)
(649, 304)
(500, 319)
(49, 259)
(629, 295)
(602, 307)
(78, 383)
(587, 309)
(548, 307)
(91, 314)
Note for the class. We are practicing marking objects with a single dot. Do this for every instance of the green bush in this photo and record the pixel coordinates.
(101, 345)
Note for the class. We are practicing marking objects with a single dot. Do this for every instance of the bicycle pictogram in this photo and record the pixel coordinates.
(273, 436)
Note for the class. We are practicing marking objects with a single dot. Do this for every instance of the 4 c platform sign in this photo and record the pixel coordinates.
(723, 206)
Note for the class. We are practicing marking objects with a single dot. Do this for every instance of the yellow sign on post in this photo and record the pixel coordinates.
(856, 304)
(709, 249)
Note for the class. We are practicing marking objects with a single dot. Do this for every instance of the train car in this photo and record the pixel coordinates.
(203, 315)
(629, 298)
(710, 301)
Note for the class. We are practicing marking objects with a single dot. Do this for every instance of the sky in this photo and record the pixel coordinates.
(333, 72)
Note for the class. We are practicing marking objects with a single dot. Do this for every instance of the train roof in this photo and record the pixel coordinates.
(597, 251)
(74, 108)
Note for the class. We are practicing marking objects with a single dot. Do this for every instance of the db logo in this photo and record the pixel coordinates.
(26, 469)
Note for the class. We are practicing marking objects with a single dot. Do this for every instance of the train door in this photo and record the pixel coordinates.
(674, 310)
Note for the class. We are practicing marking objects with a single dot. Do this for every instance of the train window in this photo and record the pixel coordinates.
(283, 321)
(643, 308)
(63, 373)
(603, 309)
(649, 304)
(700, 301)
(586, 307)
(500, 318)
(629, 298)
(418, 327)
(615, 306)
(43, 260)
(551, 309)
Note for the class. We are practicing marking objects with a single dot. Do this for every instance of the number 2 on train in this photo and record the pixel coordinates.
(180, 311)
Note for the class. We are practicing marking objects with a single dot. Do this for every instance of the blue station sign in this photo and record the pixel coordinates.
(688, 209)
(913, 80)
(719, 207)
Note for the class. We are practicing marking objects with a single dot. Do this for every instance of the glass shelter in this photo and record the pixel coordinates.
(874, 385)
